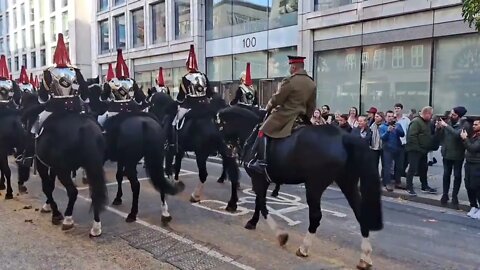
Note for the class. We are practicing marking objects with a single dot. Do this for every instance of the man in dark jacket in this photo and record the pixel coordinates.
(363, 130)
(472, 168)
(419, 143)
(453, 153)
(390, 132)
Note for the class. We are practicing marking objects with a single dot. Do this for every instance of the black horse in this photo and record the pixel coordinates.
(130, 137)
(317, 156)
(200, 135)
(12, 141)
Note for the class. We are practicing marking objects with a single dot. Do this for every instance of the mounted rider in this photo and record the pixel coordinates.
(7, 100)
(194, 90)
(25, 84)
(245, 94)
(160, 87)
(61, 90)
(120, 91)
(295, 98)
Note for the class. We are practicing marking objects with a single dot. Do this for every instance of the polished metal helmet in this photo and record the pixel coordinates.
(6, 84)
(198, 84)
(120, 83)
(64, 77)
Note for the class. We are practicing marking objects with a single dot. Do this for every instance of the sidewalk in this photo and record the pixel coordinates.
(435, 180)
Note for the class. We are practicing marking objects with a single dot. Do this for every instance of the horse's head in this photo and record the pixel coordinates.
(217, 102)
(96, 105)
(236, 123)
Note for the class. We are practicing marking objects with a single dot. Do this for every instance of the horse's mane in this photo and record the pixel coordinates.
(237, 111)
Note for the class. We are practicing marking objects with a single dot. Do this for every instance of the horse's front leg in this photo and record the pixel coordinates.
(166, 217)
(48, 185)
(178, 162)
(7, 173)
(276, 190)
(202, 174)
(65, 178)
(131, 172)
(2, 181)
(119, 177)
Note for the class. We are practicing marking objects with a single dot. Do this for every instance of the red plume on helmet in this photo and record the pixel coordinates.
(192, 60)
(110, 74)
(37, 83)
(121, 68)
(23, 76)
(4, 74)
(31, 78)
(248, 76)
(160, 80)
(60, 57)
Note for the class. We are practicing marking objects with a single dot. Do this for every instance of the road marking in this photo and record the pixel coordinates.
(199, 247)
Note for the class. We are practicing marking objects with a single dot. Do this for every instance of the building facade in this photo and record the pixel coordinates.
(29, 28)
(380, 52)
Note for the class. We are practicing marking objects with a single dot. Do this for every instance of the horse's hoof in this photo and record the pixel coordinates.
(282, 239)
(250, 226)
(194, 200)
(166, 219)
(299, 253)
(363, 265)
(46, 208)
(57, 220)
(131, 218)
(8, 196)
(117, 201)
(66, 227)
(2, 186)
(274, 194)
(231, 209)
(220, 180)
(96, 230)
(22, 189)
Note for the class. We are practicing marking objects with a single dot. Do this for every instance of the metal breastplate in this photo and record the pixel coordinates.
(64, 82)
(197, 85)
(6, 91)
(248, 95)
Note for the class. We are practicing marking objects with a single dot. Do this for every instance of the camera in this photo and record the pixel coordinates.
(392, 123)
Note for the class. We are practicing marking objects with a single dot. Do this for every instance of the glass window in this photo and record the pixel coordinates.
(119, 2)
(327, 4)
(258, 64)
(220, 68)
(2, 49)
(9, 63)
(182, 19)
(338, 80)
(158, 22)
(278, 62)
(14, 18)
(455, 73)
(218, 21)
(24, 39)
(104, 36)
(119, 31)
(250, 16)
(365, 59)
(32, 37)
(17, 64)
(65, 23)
(53, 30)
(33, 59)
(52, 52)
(417, 56)
(1, 25)
(144, 80)
(282, 13)
(7, 21)
(42, 33)
(64, 3)
(138, 27)
(41, 5)
(383, 87)
(102, 5)
(8, 45)
(52, 5)
(32, 11)
(24, 60)
(22, 14)
(15, 43)
(43, 58)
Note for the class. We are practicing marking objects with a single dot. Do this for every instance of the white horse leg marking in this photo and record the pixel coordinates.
(68, 221)
(307, 243)
(197, 193)
(47, 208)
(366, 251)
(165, 212)
(96, 229)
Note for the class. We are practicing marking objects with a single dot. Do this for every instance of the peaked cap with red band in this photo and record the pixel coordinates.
(4, 74)
(248, 76)
(160, 80)
(23, 76)
(295, 59)
(60, 57)
(192, 60)
(110, 74)
(121, 69)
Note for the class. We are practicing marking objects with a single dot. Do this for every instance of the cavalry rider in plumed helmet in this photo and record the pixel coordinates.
(160, 87)
(63, 88)
(295, 98)
(120, 91)
(194, 88)
(9, 99)
(245, 94)
(24, 83)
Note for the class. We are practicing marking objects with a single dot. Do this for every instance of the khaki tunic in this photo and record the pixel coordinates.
(296, 96)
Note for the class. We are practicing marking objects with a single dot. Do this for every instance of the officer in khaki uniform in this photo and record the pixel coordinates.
(296, 96)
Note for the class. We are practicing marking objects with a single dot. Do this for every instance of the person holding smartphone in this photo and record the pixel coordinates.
(472, 168)
(390, 132)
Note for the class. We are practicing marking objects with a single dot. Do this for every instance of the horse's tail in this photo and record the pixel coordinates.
(94, 147)
(364, 163)
(154, 157)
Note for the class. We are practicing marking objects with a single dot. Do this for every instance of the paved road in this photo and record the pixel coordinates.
(202, 236)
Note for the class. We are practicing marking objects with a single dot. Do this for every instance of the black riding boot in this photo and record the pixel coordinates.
(260, 162)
